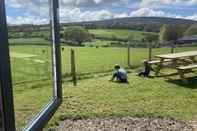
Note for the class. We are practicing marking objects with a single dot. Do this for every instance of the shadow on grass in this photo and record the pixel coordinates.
(192, 82)
(117, 82)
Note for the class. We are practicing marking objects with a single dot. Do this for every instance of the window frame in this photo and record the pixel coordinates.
(6, 90)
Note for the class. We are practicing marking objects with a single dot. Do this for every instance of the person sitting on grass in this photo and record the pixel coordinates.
(146, 71)
(120, 74)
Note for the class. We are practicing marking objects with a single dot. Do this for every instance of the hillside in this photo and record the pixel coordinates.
(150, 24)
(147, 24)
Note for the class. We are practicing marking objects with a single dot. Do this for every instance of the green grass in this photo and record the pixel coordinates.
(32, 81)
(97, 97)
(29, 69)
(26, 41)
(98, 43)
(119, 33)
(29, 99)
(142, 97)
(93, 60)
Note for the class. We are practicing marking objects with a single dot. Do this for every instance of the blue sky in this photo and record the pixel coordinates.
(36, 11)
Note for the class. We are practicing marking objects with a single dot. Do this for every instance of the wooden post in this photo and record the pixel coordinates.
(129, 56)
(172, 47)
(150, 51)
(73, 67)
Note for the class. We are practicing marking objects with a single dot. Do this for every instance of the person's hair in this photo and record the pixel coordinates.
(146, 63)
(117, 66)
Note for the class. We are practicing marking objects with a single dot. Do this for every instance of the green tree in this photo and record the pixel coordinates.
(171, 33)
(131, 38)
(149, 37)
(77, 34)
(192, 30)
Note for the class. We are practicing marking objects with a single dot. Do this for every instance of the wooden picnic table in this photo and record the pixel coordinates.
(178, 55)
(175, 57)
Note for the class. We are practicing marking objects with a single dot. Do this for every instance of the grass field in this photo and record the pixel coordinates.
(97, 97)
(32, 80)
(26, 41)
(94, 60)
(153, 97)
(119, 33)
(98, 43)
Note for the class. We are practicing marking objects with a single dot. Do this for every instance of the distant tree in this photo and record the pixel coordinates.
(149, 37)
(171, 33)
(77, 34)
(131, 38)
(114, 37)
(192, 30)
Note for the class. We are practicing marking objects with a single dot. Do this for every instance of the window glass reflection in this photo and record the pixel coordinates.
(31, 60)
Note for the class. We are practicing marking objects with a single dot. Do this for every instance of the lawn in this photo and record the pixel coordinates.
(97, 97)
(32, 81)
(24, 41)
(98, 43)
(142, 97)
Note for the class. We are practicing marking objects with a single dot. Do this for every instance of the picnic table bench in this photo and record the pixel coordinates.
(183, 62)
(184, 69)
(158, 61)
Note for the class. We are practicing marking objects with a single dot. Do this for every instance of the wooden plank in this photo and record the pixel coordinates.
(158, 61)
(178, 55)
(187, 67)
(182, 76)
(159, 67)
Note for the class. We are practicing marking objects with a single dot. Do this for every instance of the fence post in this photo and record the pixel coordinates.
(73, 67)
(150, 51)
(129, 56)
(172, 48)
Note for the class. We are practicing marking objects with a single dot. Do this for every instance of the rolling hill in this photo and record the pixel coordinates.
(150, 24)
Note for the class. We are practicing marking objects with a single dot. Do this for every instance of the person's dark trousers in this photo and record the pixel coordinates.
(141, 73)
(145, 74)
(123, 81)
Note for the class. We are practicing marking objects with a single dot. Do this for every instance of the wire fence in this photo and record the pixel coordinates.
(91, 60)
(33, 63)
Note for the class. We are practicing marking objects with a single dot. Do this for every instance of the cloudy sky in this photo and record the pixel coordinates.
(37, 12)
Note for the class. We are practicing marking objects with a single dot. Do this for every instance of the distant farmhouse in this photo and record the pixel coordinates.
(187, 39)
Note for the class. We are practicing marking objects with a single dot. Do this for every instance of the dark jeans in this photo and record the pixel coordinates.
(119, 79)
(145, 74)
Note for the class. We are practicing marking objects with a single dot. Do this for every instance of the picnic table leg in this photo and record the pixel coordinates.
(159, 67)
(174, 63)
(193, 59)
(182, 76)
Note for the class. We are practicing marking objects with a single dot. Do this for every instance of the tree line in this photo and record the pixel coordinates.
(168, 33)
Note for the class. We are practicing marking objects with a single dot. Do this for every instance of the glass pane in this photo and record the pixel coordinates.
(100, 31)
(31, 59)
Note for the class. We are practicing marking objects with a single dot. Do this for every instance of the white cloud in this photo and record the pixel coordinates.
(37, 11)
(27, 20)
(148, 3)
(33, 3)
(75, 14)
(193, 17)
(147, 12)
